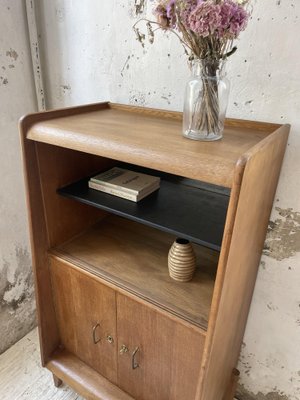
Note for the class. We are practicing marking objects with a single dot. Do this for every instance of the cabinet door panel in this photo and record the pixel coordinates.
(82, 304)
(169, 353)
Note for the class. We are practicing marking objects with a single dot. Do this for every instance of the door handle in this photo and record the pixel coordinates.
(95, 339)
(134, 364)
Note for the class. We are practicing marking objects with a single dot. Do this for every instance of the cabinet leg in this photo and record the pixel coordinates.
(229, 395)
(57, 382)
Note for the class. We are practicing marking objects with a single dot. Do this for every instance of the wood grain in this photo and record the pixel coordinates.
(231, 390)
(130, 260)
(257, 192)
(86, 381)
(221, 271)
(150, 139)
(169, 354)
(48, 331)
(57, 167)
(135, 258)
(81, 303)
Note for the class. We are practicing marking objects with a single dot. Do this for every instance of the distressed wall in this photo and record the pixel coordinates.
(17, 309)
(90, 54)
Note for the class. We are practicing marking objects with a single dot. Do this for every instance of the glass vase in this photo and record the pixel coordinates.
(206, 99)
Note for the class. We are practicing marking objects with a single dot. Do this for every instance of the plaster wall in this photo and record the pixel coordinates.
(90, 54)
(17, 97)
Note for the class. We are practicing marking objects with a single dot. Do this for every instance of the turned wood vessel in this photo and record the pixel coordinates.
(181, 260)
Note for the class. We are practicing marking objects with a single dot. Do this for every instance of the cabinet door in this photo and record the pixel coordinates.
(86, 317)
(167, 356)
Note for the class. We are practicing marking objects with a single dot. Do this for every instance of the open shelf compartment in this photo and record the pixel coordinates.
(134, 258)
(179, 207)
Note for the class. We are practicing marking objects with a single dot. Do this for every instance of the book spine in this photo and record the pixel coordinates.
(114, 187)
(146, 193)
(155, 185)
(114, 192)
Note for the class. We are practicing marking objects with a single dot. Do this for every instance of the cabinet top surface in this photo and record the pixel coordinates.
(148, 137)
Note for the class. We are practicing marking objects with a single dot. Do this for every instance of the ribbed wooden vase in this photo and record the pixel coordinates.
(181, 260)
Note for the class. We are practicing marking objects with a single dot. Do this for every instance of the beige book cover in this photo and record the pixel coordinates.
(126, 180)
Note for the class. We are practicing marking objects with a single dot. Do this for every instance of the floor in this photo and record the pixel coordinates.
(21, 375)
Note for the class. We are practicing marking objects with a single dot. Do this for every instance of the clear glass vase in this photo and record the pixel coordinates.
(206, 99)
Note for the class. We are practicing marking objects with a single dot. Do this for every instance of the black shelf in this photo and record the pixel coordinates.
(194, 213)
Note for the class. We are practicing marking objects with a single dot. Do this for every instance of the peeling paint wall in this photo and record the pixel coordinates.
(17, 307)
(90, 54)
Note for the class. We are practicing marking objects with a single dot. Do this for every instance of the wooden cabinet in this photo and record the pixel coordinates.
(112, 323)
(143, 351)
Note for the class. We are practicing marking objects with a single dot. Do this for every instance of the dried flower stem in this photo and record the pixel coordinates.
(205, 114)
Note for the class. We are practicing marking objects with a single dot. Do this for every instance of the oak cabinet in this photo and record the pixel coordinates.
(144, 352)
(112, 323)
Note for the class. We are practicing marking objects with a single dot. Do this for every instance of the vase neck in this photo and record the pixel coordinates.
(208, 68)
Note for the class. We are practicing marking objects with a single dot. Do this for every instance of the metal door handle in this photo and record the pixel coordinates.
(134, 364)
(96, 340)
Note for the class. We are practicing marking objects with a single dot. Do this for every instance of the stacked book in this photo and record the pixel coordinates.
(124, 183)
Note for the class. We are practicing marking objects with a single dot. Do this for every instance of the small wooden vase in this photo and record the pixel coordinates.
(181, 260)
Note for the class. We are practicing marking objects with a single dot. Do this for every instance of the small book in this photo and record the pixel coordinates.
(124, 183)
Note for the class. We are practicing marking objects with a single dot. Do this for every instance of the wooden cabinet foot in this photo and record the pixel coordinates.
(57, 382)
(229, 395)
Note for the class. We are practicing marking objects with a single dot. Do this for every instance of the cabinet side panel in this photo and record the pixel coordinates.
(58, 167)
(39, 244)
(254, 206)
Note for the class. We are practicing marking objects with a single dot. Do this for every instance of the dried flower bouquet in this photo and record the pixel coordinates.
(206, 29)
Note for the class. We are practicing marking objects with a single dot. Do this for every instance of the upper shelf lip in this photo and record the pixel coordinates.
(149, 138)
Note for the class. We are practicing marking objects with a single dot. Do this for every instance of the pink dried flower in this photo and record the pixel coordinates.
(161, 15)
(206, 28)
(234, 19)
(170, 6)
(205, 19)
(226, 18)
(165, 13)
(186, 7)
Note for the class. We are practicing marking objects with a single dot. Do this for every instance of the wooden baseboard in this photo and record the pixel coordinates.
(83, 379)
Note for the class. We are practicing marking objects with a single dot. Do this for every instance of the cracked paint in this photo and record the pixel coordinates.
(17, 305)
(12, 54)
(139, 6)
(146, 79)
(65, 87)
(16, 299)
(243, 394)
(283, 237)
(4, 81)
(137, 98)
